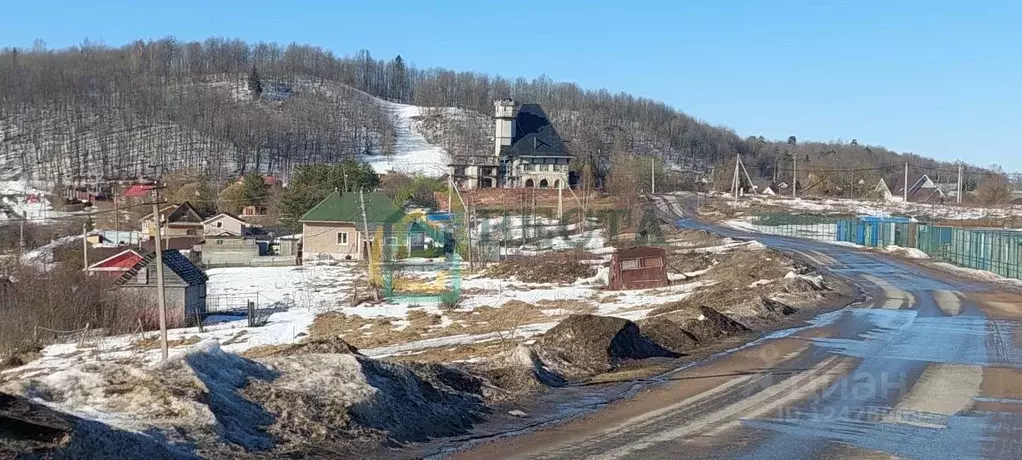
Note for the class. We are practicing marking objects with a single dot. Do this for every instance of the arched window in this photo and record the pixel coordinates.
(557, 183)
(543, 183)
(529, 183)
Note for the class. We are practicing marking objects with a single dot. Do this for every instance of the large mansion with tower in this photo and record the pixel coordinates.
(527, 153)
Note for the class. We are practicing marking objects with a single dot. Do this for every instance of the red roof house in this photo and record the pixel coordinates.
(137, 191)
(117, 264)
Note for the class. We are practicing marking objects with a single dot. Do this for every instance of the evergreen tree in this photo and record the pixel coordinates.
(205, 199)
(254, 85)
(254, 190)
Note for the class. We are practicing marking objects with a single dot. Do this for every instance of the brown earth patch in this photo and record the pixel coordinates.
(999, 305)
(555, 267)
(152, 343)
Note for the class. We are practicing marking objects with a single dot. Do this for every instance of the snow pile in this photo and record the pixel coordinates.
(197, 390)
(816, 281)
(43, 255)
(413, 154)
(911, 253)
(208, 397)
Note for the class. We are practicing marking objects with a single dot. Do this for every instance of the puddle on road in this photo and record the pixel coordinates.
(963, 436)
(902, 335)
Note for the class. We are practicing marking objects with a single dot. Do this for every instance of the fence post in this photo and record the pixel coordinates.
(251, 314)
(35, 334)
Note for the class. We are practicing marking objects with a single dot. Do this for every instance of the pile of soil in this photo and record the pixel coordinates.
(585, 345)
(556, 267)
(517, 372)
(713, 325)
(668, 334)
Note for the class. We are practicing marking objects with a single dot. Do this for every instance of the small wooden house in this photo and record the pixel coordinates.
(641, 267)
(184, 286)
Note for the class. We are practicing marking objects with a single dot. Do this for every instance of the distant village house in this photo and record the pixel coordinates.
(528, 153)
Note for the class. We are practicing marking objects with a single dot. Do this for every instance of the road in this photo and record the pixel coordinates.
(927, 367)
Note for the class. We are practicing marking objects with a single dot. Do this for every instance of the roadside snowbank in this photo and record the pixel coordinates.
(207, 397)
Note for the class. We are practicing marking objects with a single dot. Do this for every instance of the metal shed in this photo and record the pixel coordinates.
(639, 267)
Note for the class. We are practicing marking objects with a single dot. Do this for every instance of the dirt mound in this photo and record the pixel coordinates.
(668, 334)
(556, 267)
(584, 345)
(713, 324)
(31, 430)
(518, 371)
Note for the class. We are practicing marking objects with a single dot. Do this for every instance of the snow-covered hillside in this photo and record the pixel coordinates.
(413, 154)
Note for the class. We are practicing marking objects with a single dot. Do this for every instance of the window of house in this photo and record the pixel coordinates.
(219, 241)
(391, 241)
(630, 264)
(219, 224)
(191, 232)
(651, 262)
(342, 237)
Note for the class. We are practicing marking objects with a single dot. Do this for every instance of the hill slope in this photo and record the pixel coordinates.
(154, 107)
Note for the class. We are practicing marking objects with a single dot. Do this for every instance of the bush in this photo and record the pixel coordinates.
(450, 300)
(401, 253)
(62, 299)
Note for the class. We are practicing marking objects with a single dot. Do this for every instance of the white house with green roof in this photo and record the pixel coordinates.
(334, 228)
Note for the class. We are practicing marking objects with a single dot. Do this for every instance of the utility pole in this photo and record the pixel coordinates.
(503, 232)
(745, 170)
(523, 216)
(905, 194)
(85, 247)
(21, 237)
(365, 235)
(161, 295)
(959, 197)
(794, 174)
(734, 179)
(450, 193)
(367, 244)
(652, 176)
(560, 201)
(468, 232)
(468, 228)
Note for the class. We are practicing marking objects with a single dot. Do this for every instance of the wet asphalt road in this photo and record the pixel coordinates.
(929, 366)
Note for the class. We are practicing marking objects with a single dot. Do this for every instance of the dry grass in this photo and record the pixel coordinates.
(463, 352)
(380, 331)
(152, 343)
(21, 357)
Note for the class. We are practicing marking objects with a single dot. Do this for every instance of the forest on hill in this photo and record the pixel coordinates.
(223, 107)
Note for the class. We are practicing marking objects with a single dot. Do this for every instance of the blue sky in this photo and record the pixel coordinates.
(937, 78)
